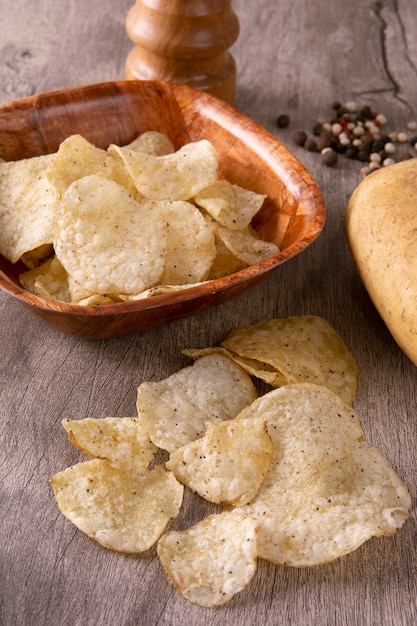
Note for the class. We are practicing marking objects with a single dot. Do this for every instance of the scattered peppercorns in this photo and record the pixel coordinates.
(356, 133)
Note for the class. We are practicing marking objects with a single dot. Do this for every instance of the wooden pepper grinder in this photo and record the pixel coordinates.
(184, 41)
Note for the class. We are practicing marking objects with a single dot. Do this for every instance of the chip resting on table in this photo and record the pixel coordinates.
(327, 490)
(213, 560)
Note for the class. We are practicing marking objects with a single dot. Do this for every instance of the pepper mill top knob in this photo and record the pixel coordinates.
(184, 41)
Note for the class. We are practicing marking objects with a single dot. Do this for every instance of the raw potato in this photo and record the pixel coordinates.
(381, 226)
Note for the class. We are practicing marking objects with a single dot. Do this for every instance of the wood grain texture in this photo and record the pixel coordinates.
(184, 41)
(294, 57)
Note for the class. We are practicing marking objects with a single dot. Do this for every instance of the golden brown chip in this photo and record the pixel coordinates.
(230, 205)
(246, 244)
(120, 440)
(123, 511)
(302, 349)
(77, 157)
(152, 142)
(327, 490)
(225, 262)
(190, 246)
(95, 300)
(176, 410)
(228, 464)
(157, 290)
(48, 280)
(106, 241)
(177, 176)
(35, 257)
(260, 370)
(213, 560)
(27, 206)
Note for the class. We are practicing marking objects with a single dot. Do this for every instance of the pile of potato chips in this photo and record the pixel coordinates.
(101, 226)
(298, 484)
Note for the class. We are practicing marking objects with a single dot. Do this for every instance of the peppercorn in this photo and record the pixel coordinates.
(366, 139)
(363, 154)
(310, 145)
(283, 120)
(389, 147)
(366, 112)
(351, 152)
(300, 137)
(323, 141)
(337, 146)
(378, 145)
(329, 157)
(356, 133)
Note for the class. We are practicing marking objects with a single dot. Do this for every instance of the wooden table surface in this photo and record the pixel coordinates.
(293, 57)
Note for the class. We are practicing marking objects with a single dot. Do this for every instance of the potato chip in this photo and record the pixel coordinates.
(327, 490)
(213, 560)
(177, 176)
(246, 244)
(96, 300)
(190, 246)
(218, 199)
(161, 180)
(49, 280)
(27, 206)
(260, 370)
(123, 511)
(176, 410)
(152, 142)
(33, 258)
(157, 290)
(79, 294)
(230, 205)
(120, 440)
(228, 464)
(225, 262)
(77, 157)
(106, 241)
(248, 203)
(302, 349)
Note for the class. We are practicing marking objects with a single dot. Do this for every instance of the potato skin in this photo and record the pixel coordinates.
(381, 229)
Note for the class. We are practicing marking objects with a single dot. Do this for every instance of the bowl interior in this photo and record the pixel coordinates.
(292, 216)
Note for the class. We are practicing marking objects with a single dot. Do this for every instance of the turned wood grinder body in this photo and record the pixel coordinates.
(184, 41)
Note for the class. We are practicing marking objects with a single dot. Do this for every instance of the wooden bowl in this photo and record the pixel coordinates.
(292, 216)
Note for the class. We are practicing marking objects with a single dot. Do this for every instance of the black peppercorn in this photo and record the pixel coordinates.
(323, 141)
(283, 120)
(300, 137)
(310, 145)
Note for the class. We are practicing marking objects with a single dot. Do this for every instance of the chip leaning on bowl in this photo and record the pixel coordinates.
(96, 226)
